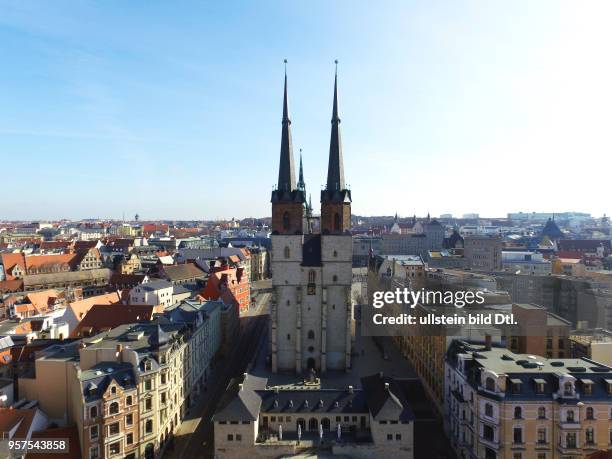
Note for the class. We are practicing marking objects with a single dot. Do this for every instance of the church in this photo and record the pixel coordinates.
(312, 313)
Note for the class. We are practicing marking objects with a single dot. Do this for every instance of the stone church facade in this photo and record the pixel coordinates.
(312, 311)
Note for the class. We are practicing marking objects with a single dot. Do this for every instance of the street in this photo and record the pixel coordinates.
(194, 439)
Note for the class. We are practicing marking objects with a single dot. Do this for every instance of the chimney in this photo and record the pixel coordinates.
(487, 342)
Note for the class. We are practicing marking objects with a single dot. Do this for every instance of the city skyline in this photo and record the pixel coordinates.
(445, 109)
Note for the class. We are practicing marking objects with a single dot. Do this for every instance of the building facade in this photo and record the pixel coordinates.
(311, 273)
(504, 405)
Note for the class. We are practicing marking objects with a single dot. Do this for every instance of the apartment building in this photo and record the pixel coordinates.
(483, 252)
(127, 389)
(157, 292)
(500, 405)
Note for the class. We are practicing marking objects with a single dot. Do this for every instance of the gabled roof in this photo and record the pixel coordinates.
(183, 271)
(240, 401)
(42, 301)
(107, 317)
(385, 398)
(10, 260)
(20, 418)
(82, 307)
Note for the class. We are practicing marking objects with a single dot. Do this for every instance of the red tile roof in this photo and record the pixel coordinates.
(103, 317)
(10, 417)
(8, 286)
(10, 260)
(71, 433)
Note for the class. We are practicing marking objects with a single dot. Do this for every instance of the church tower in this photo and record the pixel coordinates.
(288, 200)
(335, 198)
(311, 312)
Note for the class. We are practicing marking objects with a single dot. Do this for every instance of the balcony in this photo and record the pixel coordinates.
(491, 443)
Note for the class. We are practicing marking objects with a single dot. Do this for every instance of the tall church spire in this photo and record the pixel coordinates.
(301, 185)
(335, 169)
(286, 173)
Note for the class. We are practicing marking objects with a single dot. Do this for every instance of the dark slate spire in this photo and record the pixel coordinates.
(301, 185)
(335, 169)
(286, 174)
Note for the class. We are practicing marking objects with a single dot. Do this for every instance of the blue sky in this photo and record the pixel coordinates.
(173, 109)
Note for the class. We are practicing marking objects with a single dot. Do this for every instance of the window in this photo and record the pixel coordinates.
(129, 419)
(488, 433)
(490, 384)
(163, 378)
(93, 432)
(129, 438)
(541, 435)
(311, 334)
(517, 435)
(590, 436)
(94, 452)
(335, 278)
(113, 390)
(147, 384)
(567, 388)
(128, 400)
(238, 437)
(286, 222)
(569, 417)
(93, 412)
(115, 448)
(149, 426)
(311, 276)
(541, 455)
(518, 412)
(517, 456)
(286, 252)
(336, 221)
(398, 436)
(113, 429)
(590, 413)
(148, 403)
(570, 440)
(540, 387)
(288, 337)
(230, 437)
(389, 437)
(588, 389)
(489, 410)
(113, 408)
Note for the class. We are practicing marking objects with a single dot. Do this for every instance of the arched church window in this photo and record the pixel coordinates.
(336, 221)
(286, 221)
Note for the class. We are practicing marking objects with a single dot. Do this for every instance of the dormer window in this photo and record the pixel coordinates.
(490, 384)
(516, 386)
(540, 386)
(587, 387)
(568, 389)
(569, 417)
